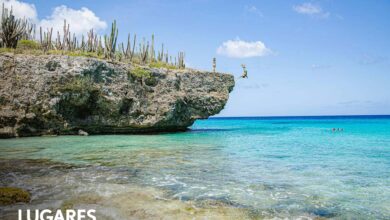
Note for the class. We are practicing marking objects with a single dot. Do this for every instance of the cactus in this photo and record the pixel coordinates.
(65, 37)
(134, 42)
(181, 64)
(29, 33)
(126, 53)
(11, 29)
(144, 51)
(152, 52)
(129, 52)
(110, 42)
(73, 43)
(119, 55)
(92, 41)
(214, 64)
(100, 49)
(160, 55)
(57, 44)
(45, 39)
(82, 46)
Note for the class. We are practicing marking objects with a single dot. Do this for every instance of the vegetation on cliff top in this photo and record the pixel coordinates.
(18, 36)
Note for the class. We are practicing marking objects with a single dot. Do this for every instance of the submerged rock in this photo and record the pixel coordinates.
(83, 133)
(12, 195)
(53, 94)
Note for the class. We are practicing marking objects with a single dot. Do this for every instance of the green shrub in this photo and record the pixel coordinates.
(162, 65)
(99, 72)
(83, 54)
(52, 65)
(78, 85)
(76, 53)
(28, 45)
(80, 99)
(140, 72)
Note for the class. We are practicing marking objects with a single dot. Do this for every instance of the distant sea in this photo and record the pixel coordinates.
(335, 167)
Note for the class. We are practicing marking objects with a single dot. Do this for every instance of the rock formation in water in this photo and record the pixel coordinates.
(54, 94)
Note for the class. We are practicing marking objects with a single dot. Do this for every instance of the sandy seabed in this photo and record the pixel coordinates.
(61, 186)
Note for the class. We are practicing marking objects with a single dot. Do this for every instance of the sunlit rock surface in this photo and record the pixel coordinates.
(53, 94)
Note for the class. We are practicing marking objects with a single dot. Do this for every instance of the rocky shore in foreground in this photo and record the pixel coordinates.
(57, 94)
(49, 183)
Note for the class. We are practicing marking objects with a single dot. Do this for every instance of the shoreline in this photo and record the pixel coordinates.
(111, 200)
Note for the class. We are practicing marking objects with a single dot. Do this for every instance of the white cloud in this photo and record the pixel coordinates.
(21, 9)
(253, 9)
(81, 21)
(243, 49)
(310, 9)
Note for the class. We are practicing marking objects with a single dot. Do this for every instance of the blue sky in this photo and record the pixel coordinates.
(303, 57)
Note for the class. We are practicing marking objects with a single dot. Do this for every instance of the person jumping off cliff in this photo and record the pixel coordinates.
(245, 72)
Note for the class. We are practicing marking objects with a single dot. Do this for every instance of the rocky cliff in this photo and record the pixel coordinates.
(53, 94)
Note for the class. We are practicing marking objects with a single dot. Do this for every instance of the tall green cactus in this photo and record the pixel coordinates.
(160, 55)
(45, 39)
(110, 42)
(152, 52)
(214, 64)
(129, 52)
(133, 50)
(144, 51)
(66, 37)
(181, 63)
(100, 49)
(12, 29)
(92, 41)
(126, 53)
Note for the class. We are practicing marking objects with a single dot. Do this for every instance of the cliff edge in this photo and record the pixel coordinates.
(55, 94)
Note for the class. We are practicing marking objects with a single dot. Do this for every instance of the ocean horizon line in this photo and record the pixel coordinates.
(302, 116)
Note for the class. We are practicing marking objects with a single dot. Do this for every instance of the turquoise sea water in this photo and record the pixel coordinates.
(275, 167)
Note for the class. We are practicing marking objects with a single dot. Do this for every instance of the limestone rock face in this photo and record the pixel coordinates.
(54, 94)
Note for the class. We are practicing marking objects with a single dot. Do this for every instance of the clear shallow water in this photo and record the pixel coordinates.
(274, 167)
